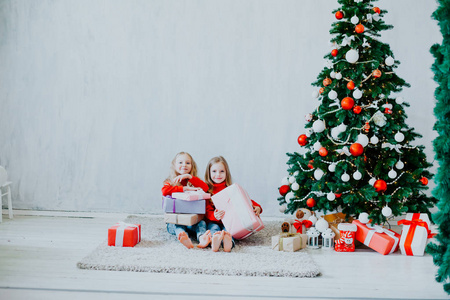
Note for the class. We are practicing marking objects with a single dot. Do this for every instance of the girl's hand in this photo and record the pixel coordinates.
(257, 210)
(218, 214)
(182, 177)
(190, 188)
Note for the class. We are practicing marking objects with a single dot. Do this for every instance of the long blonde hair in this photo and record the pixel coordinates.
(173, 173)
(208, 180)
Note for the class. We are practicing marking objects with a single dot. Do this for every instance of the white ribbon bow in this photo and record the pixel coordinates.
(390, 146)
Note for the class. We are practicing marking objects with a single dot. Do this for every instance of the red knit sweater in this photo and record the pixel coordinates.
(210, 208)
(168, 189)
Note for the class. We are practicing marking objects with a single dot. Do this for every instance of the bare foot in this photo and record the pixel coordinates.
(216, 241)
(204, 239)
(227, 242)
(185, 240)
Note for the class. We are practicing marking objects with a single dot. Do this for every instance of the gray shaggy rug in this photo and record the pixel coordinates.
(160, 252)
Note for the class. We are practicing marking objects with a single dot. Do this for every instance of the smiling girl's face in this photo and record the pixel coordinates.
(183, 164)
(218, 173)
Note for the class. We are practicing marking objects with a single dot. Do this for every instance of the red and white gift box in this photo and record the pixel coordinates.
(124, 235)
(415, 233)
(192, 195)
(382, 240)
(239, 219)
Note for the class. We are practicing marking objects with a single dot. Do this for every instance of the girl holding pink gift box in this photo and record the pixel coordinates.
(183, 177)
(218, 177)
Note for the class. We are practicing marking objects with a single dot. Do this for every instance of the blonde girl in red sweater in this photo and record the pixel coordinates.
(218, 177)
(183, 177)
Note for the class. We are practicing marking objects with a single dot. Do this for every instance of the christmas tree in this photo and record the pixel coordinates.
(441, 68)
(357, 153)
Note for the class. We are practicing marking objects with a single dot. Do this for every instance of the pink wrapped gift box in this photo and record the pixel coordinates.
(239, 218)
(382, 240)
(192, 195)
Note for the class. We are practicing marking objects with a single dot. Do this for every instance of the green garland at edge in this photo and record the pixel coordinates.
(441, 68)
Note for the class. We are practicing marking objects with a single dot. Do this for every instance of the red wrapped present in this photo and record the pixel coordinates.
(380, 239)
(124, 235)
(346, 242)
(415, 233)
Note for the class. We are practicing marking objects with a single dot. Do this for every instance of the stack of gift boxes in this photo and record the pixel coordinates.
(186, 208)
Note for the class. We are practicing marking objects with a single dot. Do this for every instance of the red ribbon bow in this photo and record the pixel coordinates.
(298, 225)
(412, 228)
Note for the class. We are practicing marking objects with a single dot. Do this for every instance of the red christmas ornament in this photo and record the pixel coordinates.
(334, 52)
(347, 103)
(351, 85)
(284, 189)
(367, 127)
(359, 28)
(376, 9)
(380, 186)
(311, 202)
(376, 73)
(321, 90)
(310, 165)
(356, 149)
(388, 111)
(424, 180)
(357, 109)
(302, 140)
(327, 81)
(323, 151)
(338, 195)
(339, 15)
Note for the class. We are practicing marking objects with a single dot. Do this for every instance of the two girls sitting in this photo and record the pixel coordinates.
(183, 177)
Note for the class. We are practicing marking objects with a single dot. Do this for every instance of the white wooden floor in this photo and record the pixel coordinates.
(39, 251)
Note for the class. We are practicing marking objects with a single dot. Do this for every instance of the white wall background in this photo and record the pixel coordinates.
(96, 97)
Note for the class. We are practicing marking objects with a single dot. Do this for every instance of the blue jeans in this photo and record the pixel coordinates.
(198, 229)
(213, 227)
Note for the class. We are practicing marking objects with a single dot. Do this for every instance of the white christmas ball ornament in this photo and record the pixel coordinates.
(313, 219)
(332, 167)
(296, 173)
(295, 186)
(317, 146)
(318, 126)
(374, 140)
(315, 94)
(288, 197)
(291, 179)
(352, 56)
(363, 218)
(285, 181)
(342, 127)
(318, 173)
(386, 211)
(354, 20)
(399, 137)
(399, 165)
(372, 181)
(357, 94)
(399, 100)
(345, 177)
(389, 61)
(338, 76)
(283, 208)
(331, 196)
(321, 225)
(333, 74)
(332, 95)
(363, 140)
(357, 175)
(335, 133)
(375, 17)
(392, 174)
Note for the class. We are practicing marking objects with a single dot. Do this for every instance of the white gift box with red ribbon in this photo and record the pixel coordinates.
(415, 233)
